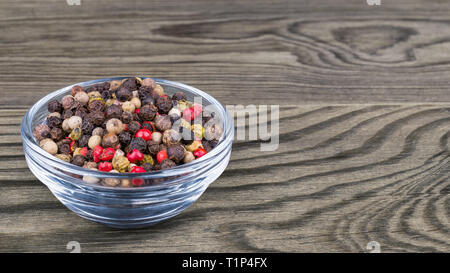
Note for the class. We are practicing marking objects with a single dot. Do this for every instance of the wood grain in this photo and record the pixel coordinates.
(364, 117)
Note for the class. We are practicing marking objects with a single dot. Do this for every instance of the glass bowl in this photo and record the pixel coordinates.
(167, 192)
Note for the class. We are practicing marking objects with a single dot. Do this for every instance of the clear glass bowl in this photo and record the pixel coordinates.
(168, 192)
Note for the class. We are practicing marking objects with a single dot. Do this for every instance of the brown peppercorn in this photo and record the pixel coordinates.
(179, 96)
(124, 138)
(114, 85)
(96, 105)
(124, 94)
(56, 133)
(175, 153)
(126, 117)
(54, 122)
(78, 160)
(153, 147)
(66, 114)
(68, 102)
(130, 83)
(133, 127)
(81, 112)
(164, 104)
(147, 112)
(54, 106)
(139, 144)
(171, 137)
(96, 117)
(113, 111)
(75, 89)
(110, 140)
(167, 164)
(41, 131)
(163, 122)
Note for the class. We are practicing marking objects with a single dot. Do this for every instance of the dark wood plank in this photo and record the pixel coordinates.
(364, 122)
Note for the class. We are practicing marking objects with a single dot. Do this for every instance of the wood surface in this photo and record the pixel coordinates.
(364, 119)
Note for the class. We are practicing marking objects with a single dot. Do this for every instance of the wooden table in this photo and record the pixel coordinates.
(364, 119)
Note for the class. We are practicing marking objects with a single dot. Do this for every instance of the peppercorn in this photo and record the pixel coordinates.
(114, 126)
(66, 114)
(179, 96)
(82, 97)
(159, 89)
(105, 166)
(128, 106)
(120, 163)
(139, 144)
(199, 152)
(187, 136)
(114, 85)
(135, 155)
(167, 164)
(91, 179)
(133, 127)
(107, 154)
(147, 167)
(136, 101)
(64, 157)
(110, 140)
(54, 122)
(213, 131)
(175, 152)
(64, 147)
(130, 83)
(89, 155)
(84, 140)
(78, 160)
(171, 137)
(94, 140)
(144, 133)
(80, 151)
(188, 157)
(162, 122)
(147, 112)
(148, 82)
(198, 131)
(56, 133)
(54, 106)
(68, 102)
(49, 146)
(112, 182)
(98, 131)
(183, 105)
(75, 134)
(90, 165)
(124, 138)
(75, 121)
(97, 152)
(194, 146)
(157, 137)
(81, 112)
(124, 94)
(126, 117)
(208, 145)
(41, 131)
(106, 95)
(75, 89)
(113, 111)
(164, 105)
(87, 127)
(96, 117)
(161, 155)
(54, 114)
(153, 147)
(96, 105)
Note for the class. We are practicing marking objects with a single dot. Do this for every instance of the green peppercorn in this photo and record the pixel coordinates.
(120, 163)
(75, 134)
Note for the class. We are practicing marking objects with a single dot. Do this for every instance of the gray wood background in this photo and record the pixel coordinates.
(364, 119)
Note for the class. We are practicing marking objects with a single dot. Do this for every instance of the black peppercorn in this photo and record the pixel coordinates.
(106, 85)
(83, 141)
(113, 111)
(131, 83)
(164, 104)
(67, 113)
(163, 122)
(175, 152)
(147, 112)
(148, 100)
(56, 133)
(64, 148)
(106, 94)
(96, 117)
(147, 167)
(126, 117)
(54, 106)
(89, 156)
(78, 160)
(167, 164)
(53, 121)
(153, 147)
(87, 127)
(96, 106)
(179, 96)
(124, 138)
(208, 145)
(148, 126)
(144, 92)
(124, 94)
(139, 144)
(81, 112)
(133, 127)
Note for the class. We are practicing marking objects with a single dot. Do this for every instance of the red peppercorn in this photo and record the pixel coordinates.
(161, 155)
(137, 169)
(199, 152)
(125, 127)
(84, 151)
(145, 134)
(188, 114)
(107, 154)
(135, 155)
(137, 110)
(105, 166)
(98, 150)
(72, 145)
(137, 181)
(197, 109)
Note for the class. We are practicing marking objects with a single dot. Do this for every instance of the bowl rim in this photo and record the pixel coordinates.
(224, 142)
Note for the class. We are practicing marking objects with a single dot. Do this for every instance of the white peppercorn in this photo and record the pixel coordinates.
(75, 121)
(91, 179)
(159, 89)
(149, 83)
(188, 157)
(65, 125)
(49, 146)
(94, 141)
(175, 112)
(136, 101)
(114, 126)
(128, 106)
(157, 137)
(98, 131)
(82, 97)
(112, 182)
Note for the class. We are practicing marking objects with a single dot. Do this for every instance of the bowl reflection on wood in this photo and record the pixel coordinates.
(168, 192)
